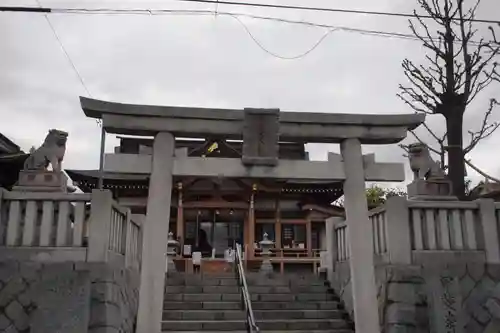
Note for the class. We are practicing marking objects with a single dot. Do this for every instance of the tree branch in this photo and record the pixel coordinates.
(486, 129)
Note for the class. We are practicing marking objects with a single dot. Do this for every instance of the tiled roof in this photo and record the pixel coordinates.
(7, 146)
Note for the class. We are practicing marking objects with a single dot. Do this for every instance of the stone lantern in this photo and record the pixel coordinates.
(172, 246)
(266, 244)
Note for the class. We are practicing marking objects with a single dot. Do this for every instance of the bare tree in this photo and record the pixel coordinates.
(459, 66)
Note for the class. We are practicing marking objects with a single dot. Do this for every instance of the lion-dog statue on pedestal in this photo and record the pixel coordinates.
(50, 152)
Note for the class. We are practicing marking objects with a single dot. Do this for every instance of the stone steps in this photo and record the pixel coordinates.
(254, 297)
(264, 325)
(259, 314)
(253, 279)
(281, 303)
(274, 331)
(235, 289)
(226, 305)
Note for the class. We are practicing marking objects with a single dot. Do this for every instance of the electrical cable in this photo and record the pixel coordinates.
(246, 4)
(151, 12)
(98, 121)
(68, 56)
(376, 33)
(323, 9)
(216, 12)
(301, 55)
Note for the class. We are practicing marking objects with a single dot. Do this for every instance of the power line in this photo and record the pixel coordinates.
(149, 12)
(41, 9)
(234, 3)
(324, 9)
(68, 56)
(301, 55)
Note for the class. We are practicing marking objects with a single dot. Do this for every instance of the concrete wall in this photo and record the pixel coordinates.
(67, 297)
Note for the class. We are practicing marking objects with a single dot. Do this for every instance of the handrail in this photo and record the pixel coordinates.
(251, 324)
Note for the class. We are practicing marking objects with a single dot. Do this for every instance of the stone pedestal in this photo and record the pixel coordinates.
(266, 244)
(41, 181)
(172, 246)
(430, 189)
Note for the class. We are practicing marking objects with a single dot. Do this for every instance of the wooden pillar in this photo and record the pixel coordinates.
(360, 240)
(309, 237)
(251, 223)
(155, 231)
(277, 224)
(180, 215)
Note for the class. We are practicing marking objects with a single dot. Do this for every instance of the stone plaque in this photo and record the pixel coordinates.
(446, 304)
(63, 304)
(260, 137)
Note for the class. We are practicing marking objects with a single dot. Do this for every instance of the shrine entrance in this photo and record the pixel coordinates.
(221, 228)
(261, 130)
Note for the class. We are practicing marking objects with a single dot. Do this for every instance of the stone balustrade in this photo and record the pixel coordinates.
(407, 231)
(427, 253)
(342, 247)
(68, 227)
(379, 224)
(68, 263)
(444, 227)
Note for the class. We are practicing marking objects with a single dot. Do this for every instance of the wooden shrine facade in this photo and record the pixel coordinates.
(292, 213)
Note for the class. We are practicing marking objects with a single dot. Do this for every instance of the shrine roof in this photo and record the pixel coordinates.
(7, 146)
(88, 179)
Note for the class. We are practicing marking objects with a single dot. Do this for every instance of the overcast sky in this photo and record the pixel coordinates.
(206, 61)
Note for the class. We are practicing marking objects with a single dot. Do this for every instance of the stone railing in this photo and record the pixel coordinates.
(379, 226)
(444, 225)
(341, 246)
(410, 232)
(67, 227)
(407, 231)
(435, 262)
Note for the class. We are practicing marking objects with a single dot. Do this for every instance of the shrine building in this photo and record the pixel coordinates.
(231, 210)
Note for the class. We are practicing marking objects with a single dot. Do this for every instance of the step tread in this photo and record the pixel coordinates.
(339, 330)
(282, 310)
(258, 320)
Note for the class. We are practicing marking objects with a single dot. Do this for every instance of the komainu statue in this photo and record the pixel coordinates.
(50, 152)
(421, 163)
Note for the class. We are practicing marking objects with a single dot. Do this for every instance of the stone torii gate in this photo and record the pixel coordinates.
(260, 130)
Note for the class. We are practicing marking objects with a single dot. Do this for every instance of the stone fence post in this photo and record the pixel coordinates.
(489, 224)
(397, 230)
(331, 244)
(129, 260)
(331, 237)
(100, 225)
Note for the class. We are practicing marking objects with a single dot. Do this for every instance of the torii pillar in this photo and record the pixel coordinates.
(149, 316)
(360, 240)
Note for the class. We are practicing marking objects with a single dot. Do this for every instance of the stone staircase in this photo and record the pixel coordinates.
(281, 303)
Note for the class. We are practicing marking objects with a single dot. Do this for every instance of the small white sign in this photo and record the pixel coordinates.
(196, 258)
